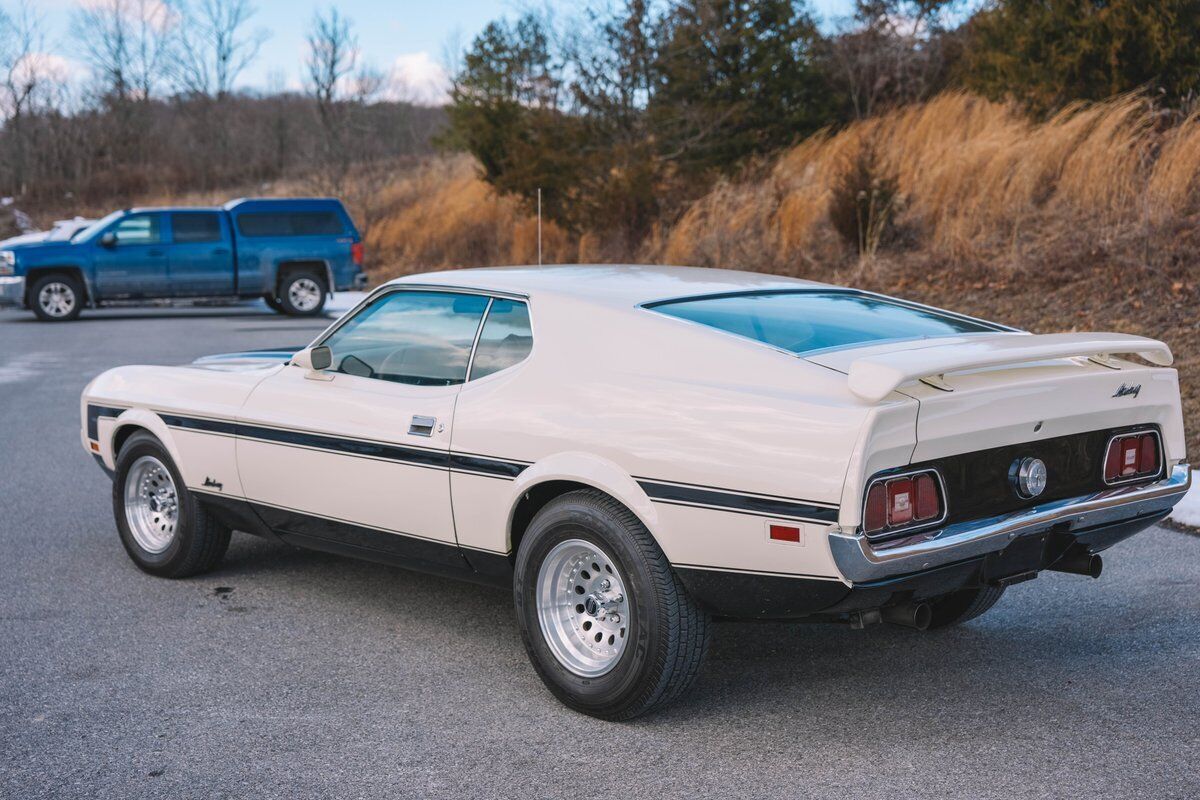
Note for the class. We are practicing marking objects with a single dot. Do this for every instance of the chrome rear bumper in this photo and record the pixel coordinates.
(860, 561)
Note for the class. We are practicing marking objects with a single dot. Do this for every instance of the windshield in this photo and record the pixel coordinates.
(807, 321)
(96, 227)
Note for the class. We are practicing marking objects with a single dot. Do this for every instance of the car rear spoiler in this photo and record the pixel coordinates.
(875, 377)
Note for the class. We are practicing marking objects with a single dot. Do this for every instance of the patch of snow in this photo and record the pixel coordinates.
(341, 302)
(1187, 512)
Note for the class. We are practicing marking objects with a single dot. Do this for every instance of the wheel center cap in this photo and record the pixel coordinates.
(591, 605)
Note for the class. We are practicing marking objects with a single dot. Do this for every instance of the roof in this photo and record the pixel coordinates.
(608, 284)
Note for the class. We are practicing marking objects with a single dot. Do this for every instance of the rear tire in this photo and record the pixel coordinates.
(964, 605)
(273, 304)
(302, 294)
(609, 668)
(57, 297)
(165, 530)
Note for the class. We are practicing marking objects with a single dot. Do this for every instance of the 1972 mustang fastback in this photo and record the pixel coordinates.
(635, 450)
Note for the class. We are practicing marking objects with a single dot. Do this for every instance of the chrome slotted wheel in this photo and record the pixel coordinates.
(582, 607)
(304, 294)
(56, 299)
(151, 504)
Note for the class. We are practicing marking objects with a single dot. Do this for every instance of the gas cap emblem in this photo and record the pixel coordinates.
(1028, 477)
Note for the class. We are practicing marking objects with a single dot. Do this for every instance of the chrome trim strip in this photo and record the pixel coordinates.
(859, 561)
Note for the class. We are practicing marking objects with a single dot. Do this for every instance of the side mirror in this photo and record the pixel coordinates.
(321, 357)
(314, 360)
(109, 239)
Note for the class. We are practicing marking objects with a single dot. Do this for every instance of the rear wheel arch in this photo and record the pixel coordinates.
(318, 266)
(568, 472)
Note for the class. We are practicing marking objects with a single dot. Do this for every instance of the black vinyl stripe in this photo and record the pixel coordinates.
(481, 465)
(390, 452)
(738, 502)
(488, 466)
(492, 467)
(93, 415)
(199, 424)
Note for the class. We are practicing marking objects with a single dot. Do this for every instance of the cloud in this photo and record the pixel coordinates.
(418, 78)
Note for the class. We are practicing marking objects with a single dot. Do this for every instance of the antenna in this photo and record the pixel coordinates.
(539, 226)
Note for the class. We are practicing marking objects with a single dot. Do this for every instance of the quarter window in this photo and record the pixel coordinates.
(506, 338)
(138, 229)
(419, 338)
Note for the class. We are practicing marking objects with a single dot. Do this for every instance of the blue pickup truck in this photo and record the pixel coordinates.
(291, 253)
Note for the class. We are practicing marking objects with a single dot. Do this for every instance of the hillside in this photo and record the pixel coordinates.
(1089, 220)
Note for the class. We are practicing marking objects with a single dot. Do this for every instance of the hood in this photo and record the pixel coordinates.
(246, 359)
(42, 250)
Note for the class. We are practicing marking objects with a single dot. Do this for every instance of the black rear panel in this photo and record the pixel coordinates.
(977, 484)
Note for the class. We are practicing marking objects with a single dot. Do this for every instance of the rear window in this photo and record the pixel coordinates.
(195, 226)
(290, 223)
(803, 322)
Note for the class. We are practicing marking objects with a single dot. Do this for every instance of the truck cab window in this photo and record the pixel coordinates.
(190, 227)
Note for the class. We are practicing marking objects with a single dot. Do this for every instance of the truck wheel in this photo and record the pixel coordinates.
(56, 298)
(963, 605)
(302, 294)
(273, 303)
(608, 626)
(165, 530)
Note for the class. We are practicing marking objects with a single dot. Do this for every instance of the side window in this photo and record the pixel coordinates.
(506, 338)
(420, 338)
(195, 226)
(290, 223)
(138, 229)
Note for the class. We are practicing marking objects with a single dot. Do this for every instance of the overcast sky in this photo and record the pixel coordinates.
(403, 37)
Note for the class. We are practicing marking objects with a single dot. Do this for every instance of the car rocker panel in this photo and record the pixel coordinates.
(859, 477)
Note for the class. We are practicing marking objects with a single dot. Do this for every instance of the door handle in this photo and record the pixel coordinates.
(155, 252)
(422, 426)
(221, 251)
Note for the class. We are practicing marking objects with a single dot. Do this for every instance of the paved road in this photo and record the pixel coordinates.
(296, 674)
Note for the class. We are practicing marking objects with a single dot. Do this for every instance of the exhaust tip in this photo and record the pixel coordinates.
(1080, 563)
(908, 615)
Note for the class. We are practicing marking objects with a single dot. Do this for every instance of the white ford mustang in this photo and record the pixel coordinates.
(636, 449)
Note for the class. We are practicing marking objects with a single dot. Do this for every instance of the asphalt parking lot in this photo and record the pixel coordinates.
(296, 674)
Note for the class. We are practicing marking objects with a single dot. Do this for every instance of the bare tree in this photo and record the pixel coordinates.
(22, 77)
(211, 46)
(332, 58)
(891, 52)
(126, 43)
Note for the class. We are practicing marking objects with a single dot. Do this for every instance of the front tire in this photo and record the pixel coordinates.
(606, 623)
(165, 530)
(56, 298)
(302, 294)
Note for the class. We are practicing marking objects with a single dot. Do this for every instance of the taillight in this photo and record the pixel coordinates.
(926, 505)
(906, 501)
(1132, 457)
(900, 501)
(875, 514)
(356, 253)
